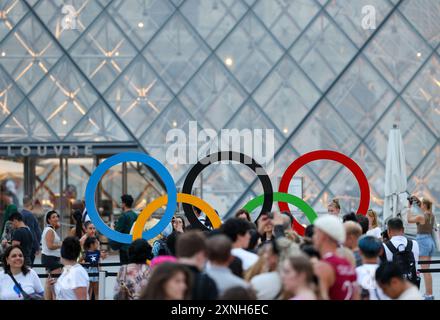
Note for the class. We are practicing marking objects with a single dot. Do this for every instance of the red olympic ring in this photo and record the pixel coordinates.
(325, 155)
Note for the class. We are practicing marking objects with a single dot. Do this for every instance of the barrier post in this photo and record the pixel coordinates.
(102, 279)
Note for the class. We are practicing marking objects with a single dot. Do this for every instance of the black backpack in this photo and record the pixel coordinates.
(406, 261)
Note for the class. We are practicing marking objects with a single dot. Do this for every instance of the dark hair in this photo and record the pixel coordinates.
(387, 271)
(395, 224)
(349, 217)
(139, 252)
(310, 229)
(161, 274)
(245, 212)
(310, 251)
(219, 248)
(127, 200)
(183, 222)
(24, 268)
(87, 223)
(238, 293)
(234, 227)
(70, 248)
(370, 246)
(49, 215)
(255, 236)
(190, 243)
(171, 242)
(89, 242)
(236, 266)
(15, 215)
(363, 221)
(77, 216)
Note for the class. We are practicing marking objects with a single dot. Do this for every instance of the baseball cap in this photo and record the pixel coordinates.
(331, 226)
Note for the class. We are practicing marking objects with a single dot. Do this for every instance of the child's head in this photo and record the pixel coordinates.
(91, 244)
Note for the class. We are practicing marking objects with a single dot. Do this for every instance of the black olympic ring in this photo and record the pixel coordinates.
(221, 156)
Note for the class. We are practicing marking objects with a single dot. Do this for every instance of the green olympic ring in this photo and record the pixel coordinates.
(284, 197)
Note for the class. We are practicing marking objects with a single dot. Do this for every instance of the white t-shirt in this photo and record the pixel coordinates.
(30, 283)
(400, 243)
(411, 294)
(366, 277)
(247, 258)
(376, 232)
(73, 277)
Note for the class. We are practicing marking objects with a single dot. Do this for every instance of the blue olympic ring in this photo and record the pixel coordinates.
(99, 173)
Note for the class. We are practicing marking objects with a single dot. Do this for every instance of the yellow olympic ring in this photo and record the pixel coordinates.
(148, 211)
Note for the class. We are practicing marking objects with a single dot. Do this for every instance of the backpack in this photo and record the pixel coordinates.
(406, 261)
(161, 248)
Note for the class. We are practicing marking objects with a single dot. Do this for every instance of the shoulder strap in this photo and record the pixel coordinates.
(391, 247)
(409, 245)
(25, 295)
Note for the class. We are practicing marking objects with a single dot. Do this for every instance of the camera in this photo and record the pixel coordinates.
(413, 200)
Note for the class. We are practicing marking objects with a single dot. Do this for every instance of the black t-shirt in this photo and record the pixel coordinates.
(24, 235)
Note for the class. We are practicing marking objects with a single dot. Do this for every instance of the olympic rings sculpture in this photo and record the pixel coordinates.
(189, 200)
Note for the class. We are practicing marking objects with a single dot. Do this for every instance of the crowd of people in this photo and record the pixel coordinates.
(339, 257)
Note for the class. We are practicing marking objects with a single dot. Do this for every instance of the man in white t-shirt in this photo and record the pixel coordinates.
(238, 231)
(370, 248)
(398, 240)
(390, 279)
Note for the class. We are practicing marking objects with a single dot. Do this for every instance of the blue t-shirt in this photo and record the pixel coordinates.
(93, 257)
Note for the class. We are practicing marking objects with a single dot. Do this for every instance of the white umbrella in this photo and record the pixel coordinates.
(395, 180)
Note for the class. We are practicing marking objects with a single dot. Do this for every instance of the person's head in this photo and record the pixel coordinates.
(139, 252)
(178, 223)
(390, 279)
(328, 232)
(16, 219)
(372, 219)
(349, 217)
(53, 219)
(91, 244)
(126, 202)
(395, 227)
(191, 248)
(27, 202)
(238, 231)
(13, 257)
(78, 205)
(271, 255)
(353, 232)
(243, 214)
(70, 249)
(370, 247)
(426, 205)
(334, 208)
(297, 273)
(363, 221)
(168, 281)
(90, 229)
(238, 293)
(219, 250)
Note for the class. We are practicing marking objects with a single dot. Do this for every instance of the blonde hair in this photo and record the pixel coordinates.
(353, 228)
(428, 204)
(371, 213)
